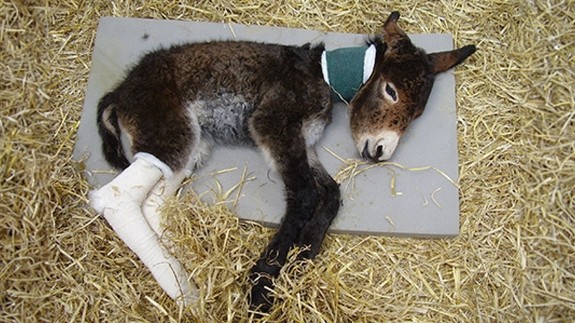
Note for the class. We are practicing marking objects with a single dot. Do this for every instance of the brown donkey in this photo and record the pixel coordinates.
(177, 103)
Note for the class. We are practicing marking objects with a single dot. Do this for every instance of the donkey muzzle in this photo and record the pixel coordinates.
(380, 147)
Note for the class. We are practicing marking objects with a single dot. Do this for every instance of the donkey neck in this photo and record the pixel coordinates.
(347, 69)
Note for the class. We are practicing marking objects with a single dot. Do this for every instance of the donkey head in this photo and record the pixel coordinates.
(397, 91)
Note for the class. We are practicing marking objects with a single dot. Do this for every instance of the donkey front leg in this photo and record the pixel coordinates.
(301, 198)
(120, 202)
(313, 233)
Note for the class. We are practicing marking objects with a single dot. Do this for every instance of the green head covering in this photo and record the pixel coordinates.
(346, 69)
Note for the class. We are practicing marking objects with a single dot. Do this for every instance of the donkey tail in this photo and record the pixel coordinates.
(110, 132)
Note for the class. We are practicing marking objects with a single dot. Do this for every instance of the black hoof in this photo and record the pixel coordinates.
(261, 299)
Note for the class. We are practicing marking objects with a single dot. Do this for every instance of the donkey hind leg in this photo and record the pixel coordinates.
(164, 189)
(313, 233)
(301, 198)
(120, 202)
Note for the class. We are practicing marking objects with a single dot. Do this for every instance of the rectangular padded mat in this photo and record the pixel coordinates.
(415, 194)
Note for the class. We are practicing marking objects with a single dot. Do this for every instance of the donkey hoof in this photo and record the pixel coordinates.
(261, 299)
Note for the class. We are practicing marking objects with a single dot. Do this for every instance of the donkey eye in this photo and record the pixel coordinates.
(391, 92)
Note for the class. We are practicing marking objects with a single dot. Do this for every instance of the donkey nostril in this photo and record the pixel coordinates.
(379, 152)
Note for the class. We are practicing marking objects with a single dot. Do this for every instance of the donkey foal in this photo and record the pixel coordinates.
(177, 103)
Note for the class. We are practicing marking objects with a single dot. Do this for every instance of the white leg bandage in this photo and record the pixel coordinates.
(120, 202)
(165, 188)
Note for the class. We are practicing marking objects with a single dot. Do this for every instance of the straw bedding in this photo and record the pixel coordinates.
(514, 259)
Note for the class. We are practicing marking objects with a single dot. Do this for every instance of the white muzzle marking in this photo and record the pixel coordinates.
(378, 147)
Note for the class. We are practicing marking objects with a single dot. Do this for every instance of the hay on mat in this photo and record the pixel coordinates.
(514, 259)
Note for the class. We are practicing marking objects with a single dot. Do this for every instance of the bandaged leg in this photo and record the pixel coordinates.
(165, 188)
(120, 202)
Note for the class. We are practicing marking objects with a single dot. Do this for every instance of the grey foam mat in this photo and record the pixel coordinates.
(420, 201)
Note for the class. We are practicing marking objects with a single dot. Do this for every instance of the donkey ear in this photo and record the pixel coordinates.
(443, 61)
(391, 30)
